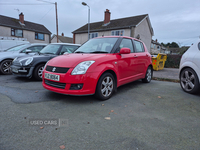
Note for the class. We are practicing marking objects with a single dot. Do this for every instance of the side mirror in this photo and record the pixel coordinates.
(28, 51)
(65, 53)
(125, 51)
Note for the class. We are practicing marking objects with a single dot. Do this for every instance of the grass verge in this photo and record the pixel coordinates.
(164, 79)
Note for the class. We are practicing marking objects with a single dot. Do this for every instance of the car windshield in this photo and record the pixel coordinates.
(50, 49)
(16, 48)
(97, 45)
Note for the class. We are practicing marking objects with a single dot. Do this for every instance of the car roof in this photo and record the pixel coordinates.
(66, 44)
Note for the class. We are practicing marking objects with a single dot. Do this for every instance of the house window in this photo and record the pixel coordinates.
(16, 32)
(152, 45)
(158, 47)
(39, 36)
(93, 35)
(117, 33)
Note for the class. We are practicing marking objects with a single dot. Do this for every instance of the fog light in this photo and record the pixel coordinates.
(76, 86)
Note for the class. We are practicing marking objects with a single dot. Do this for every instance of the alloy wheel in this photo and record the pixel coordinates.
(188, 80)
(107, 86)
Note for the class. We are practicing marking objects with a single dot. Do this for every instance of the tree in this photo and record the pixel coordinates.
(171, 45)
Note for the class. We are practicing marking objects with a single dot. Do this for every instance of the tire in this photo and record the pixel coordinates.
(189, 81)
(105, 86)
(38, 72)
(5, 67)
(148, 76)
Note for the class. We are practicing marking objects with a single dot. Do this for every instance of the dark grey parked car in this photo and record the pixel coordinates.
(28, 66)
(7, 56)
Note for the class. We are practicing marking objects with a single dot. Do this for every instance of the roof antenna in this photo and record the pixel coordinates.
(17, 10)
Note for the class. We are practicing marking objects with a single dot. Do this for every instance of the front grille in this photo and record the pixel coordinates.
(56, 69)
(55, 84)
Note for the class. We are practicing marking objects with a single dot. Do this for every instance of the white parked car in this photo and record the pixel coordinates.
(6, 44)
(189, 70)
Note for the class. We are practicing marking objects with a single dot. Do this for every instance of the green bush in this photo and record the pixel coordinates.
(172, 61)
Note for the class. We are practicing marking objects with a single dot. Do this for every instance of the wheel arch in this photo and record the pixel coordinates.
(114, 75)
(185, 67)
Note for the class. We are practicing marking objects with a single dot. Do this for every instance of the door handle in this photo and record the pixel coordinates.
(135, 56)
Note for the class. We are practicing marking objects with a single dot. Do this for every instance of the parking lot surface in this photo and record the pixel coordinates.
(140, 116)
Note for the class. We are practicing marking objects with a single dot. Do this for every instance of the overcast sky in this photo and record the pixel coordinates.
(172, 20)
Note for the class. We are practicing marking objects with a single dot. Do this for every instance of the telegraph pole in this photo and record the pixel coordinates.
(56, 20)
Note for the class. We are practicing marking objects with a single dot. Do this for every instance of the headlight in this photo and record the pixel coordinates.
(26, 61)
(15, 59)
(82, 67)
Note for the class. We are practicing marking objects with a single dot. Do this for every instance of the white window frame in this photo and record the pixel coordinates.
(117, 33)
(93, 35)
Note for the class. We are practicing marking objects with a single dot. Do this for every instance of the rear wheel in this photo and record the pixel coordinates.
(189, 81)
(5, 67)
(38, 72)
(105, 86)
(148, 76)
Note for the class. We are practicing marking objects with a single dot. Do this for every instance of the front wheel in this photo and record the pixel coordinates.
(38, 72)
(189, 81)
(148, 76)
(105, 86)
(5, 67)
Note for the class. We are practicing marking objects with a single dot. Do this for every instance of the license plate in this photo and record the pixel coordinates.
(52, 76)
(14, 70)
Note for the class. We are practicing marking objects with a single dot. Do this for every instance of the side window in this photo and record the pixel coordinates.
(68, 49)
(139, 47)
(34, 48)
(127, 43)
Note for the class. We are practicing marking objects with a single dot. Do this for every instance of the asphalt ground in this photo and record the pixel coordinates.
(140, 116)
(167, 73)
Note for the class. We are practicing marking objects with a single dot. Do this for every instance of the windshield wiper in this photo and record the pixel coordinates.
(98, 52)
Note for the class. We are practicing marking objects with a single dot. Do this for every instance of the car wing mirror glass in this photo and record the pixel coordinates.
(125, 51)
(28, 51)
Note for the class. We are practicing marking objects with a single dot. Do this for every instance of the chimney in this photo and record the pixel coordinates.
(21, 18)
(62, 34)
(107, 16)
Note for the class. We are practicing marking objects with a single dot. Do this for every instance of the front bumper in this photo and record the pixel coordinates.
(22, 71)
(88, 82)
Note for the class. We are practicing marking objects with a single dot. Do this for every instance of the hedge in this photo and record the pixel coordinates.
(173, 61)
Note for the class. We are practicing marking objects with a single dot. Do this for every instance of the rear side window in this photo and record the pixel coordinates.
(139, 47)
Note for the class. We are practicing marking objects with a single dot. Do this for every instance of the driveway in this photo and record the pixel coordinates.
(139, 116)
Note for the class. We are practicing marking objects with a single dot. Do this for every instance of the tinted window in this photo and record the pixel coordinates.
(139, 46)
(127, 43)
(68, 49)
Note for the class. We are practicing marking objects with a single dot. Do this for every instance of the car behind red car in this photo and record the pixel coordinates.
(98, 67)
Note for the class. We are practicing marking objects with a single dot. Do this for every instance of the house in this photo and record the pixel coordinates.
(19, 28)
(135, 26)
(158, 48)
(61, 39)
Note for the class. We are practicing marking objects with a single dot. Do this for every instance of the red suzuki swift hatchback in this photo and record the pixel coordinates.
(98, 67)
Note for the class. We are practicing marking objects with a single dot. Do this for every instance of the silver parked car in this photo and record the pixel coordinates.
(7, 56)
